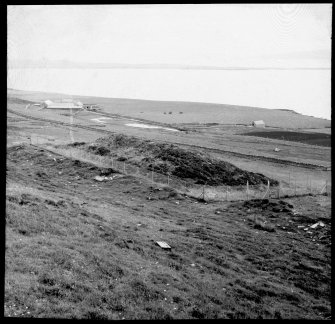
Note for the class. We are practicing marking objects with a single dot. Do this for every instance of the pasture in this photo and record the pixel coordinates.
(81, 248)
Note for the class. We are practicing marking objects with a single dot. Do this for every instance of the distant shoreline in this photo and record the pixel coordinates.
(170, 68)
(47, 95)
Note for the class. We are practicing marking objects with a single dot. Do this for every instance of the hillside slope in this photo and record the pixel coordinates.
(80, 249)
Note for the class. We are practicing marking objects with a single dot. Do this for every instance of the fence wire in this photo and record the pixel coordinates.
(288, 188)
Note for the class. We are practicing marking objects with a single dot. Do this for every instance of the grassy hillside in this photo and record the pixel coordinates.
(173, 112)
(80, 249)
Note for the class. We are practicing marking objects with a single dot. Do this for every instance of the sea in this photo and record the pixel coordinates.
(305, 91)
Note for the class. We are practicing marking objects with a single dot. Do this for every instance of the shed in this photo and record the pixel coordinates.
(48, 104)
(258, 123)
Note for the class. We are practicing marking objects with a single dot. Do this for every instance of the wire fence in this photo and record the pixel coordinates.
(291, 187)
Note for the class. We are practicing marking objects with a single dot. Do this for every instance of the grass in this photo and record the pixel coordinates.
(78, 249)
(262, 224)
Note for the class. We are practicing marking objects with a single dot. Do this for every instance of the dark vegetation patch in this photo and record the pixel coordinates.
(170, 159)
(307, 138)
(99, 150)
(76, 144)
(273, 205)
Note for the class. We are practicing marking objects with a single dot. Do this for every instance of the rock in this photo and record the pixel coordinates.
(98, 178)
(163, 245)
(314, 225)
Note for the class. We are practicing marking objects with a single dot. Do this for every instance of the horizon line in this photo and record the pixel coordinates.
(64, 64)
(170, 68)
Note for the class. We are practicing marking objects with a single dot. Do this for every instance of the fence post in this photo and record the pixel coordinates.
(279, 189)
(112, 163)
(152, 175)
(295, 187)
(247, 190)
(327, 187)
(203, 192)
(226, 193)
(267, 190)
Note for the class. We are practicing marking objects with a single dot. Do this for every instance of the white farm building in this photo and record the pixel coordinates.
(258, 123)
(65, 104)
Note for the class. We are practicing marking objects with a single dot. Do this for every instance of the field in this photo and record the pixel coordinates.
(169, 112)
(306, 137)
(86, 249)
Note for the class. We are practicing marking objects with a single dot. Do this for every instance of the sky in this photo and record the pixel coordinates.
(253, 35)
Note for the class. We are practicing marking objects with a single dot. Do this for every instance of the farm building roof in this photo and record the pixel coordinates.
(62, 105)
(258, 122)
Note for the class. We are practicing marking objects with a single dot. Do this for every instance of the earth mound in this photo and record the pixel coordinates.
(170, 159)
